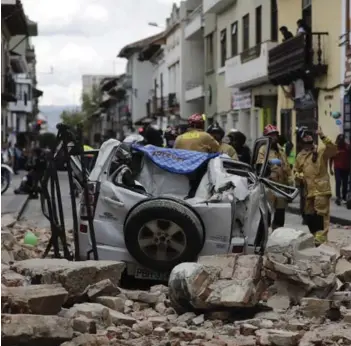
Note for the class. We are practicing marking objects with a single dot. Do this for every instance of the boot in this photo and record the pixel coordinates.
(320, 236)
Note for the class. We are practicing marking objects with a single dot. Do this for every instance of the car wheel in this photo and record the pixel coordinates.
(161, 233)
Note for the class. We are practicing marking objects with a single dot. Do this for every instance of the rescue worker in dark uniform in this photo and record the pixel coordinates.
(170, 136)
(311, 168)
(218, 133)
(237, 140)
(196, 138)
(153, 135)
(280, 173)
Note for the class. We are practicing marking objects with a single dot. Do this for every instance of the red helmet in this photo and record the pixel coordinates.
(269, 129)
(196, 120)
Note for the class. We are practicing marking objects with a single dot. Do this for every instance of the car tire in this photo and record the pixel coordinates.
(149, 223)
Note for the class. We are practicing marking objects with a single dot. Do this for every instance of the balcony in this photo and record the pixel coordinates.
(194, 91)
(21, 106)
(8, 93)
(30, 55)
(158, 106)
(194, 25)
(216, 6)
(292, 59)
(250, 67)
(18, 63)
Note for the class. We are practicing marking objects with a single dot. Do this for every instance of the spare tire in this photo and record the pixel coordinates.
(163, 232)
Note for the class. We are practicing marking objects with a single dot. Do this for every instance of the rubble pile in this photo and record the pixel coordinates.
(294, 295)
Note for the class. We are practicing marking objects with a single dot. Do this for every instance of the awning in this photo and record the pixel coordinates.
(14, 18)
(37, 93)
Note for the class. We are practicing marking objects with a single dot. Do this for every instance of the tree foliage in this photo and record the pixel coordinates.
(90, 105)
(72, 117)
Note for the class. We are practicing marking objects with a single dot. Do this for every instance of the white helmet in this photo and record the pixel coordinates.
(233, 130)
(134, 139)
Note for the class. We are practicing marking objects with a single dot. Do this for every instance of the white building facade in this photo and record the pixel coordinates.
(140, 74)
(192, 58)
(246, 31)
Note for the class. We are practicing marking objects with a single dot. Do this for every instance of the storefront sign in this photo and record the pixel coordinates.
(241, 99)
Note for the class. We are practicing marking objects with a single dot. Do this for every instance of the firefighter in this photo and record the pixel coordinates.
(311, 168)
(218, 133)
(280, 173)
(196, 138)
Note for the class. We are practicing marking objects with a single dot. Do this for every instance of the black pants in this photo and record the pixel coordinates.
(278, 219)
(341, 180)
(302, 203)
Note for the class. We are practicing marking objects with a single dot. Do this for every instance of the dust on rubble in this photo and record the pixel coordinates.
(294, 295)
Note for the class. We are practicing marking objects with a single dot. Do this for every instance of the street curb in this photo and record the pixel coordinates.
(22, 209)
(333, 219)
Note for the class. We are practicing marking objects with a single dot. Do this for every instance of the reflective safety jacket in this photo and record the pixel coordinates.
(197, 140)
(315, 175)
(225, 148)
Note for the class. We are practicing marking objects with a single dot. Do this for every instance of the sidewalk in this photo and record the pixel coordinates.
(338, 214)
(11, 203)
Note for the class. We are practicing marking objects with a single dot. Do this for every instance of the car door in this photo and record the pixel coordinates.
(113, 204)
(258, 207)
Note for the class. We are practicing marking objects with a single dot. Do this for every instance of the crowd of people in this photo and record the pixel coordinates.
(307, 169)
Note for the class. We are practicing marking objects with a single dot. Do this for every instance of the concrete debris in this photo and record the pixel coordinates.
(35, 299)
(294, 295)
(33, 330)
(75, 277)
(199, 286)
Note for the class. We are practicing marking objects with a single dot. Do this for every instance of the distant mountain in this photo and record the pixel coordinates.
(52, 113)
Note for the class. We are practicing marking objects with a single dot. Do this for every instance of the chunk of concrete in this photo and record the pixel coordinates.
(343, 270)
(34, 330)
(35, 299)
(346, 252)
(74, 276)
(225, 263)
(89, 340)
(199, 286)
(287, 241)
(12, 279)
(101, 288)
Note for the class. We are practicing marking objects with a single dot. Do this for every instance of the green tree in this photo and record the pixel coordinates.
(73, 117)
(90, 106)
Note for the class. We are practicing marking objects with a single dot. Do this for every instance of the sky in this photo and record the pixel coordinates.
(79, 37)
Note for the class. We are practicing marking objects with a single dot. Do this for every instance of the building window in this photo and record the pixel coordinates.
(223, 44)
(246, 32)
(274, 20)
(258, 25)
(209, 53)
(234, 39)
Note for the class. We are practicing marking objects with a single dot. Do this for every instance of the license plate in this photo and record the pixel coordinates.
(146, 274)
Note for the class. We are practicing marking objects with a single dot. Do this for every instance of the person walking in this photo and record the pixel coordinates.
(340, 167)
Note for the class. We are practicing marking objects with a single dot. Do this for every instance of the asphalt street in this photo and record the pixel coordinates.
(11, 203)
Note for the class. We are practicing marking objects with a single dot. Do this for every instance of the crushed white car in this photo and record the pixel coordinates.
(153, 224)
